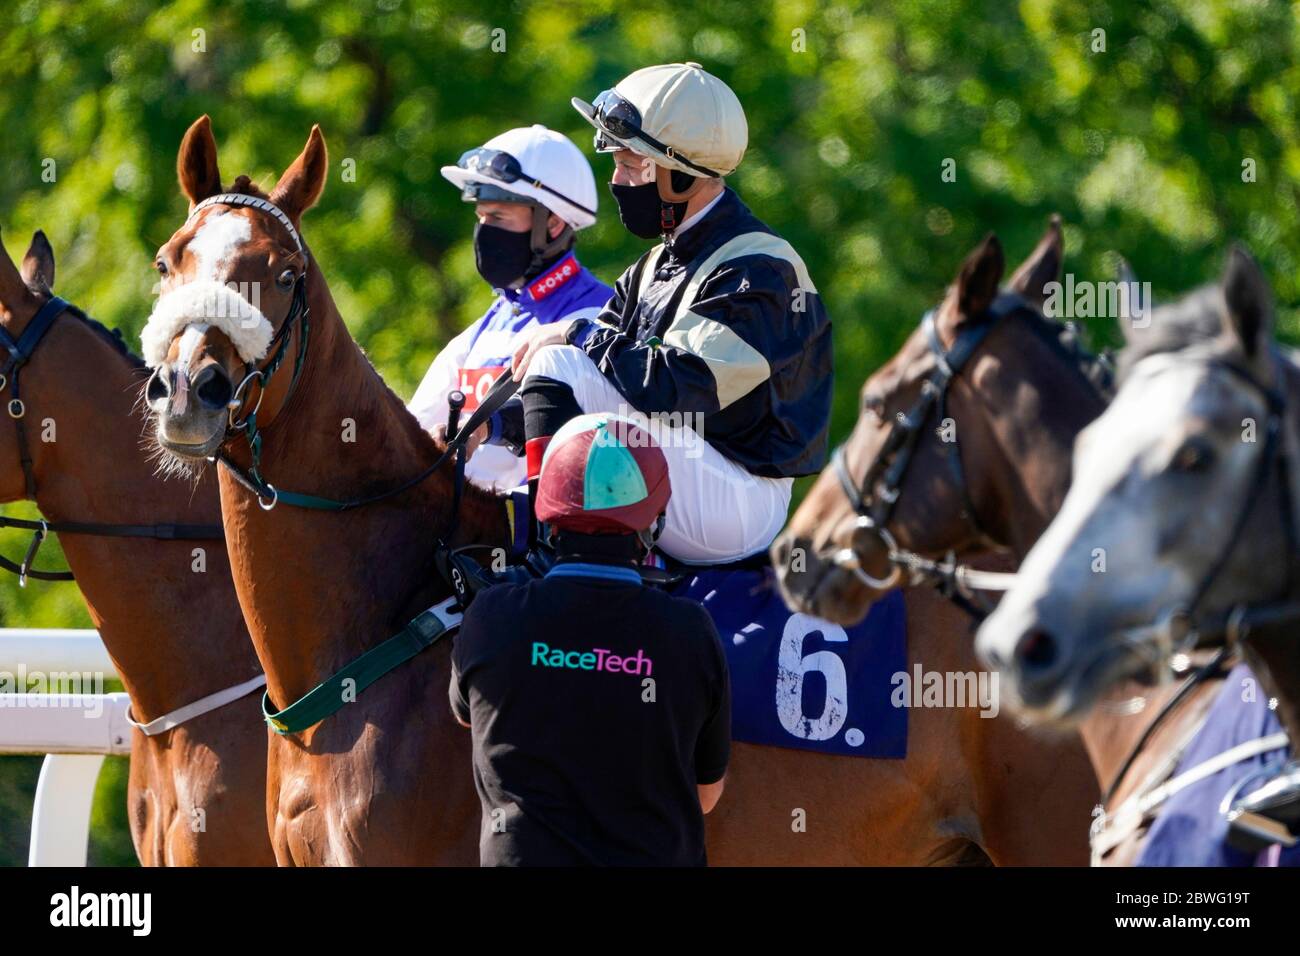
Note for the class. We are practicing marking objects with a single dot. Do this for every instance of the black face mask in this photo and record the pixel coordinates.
(643, 213)
(501, 256)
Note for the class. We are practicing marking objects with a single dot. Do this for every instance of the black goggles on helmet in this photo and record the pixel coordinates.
(619, 119)
(501, 166)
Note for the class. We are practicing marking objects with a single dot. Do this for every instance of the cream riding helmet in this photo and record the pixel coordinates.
(540, 168)
(683, 118)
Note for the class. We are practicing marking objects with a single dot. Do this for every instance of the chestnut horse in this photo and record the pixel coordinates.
(195, 793)
(1014, 408)
(386, 778)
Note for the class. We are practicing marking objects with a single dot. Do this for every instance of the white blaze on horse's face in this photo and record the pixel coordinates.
(1157, 489)
(208, 296)
(216, 243)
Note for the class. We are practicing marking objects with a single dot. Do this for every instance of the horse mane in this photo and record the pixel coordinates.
(1195, 319)
(1069, 342)
(113, 337)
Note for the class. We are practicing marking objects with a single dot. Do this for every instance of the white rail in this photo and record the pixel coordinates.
(74, 730)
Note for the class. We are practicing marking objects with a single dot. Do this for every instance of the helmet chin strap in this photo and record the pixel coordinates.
(664, 182)
(546, 249)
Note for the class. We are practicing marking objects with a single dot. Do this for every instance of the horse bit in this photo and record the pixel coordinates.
(20, 353)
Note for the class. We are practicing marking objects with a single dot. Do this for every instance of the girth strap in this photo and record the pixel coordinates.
(329, 696)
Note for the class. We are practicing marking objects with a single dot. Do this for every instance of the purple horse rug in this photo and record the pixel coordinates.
(1190, 829)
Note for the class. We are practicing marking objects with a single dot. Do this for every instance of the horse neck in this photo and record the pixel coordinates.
(1034, 450)
(319, 588)
(144, 595)
(1111, 731)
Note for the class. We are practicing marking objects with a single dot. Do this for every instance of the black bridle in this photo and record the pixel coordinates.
(875, 497)
(20, 352)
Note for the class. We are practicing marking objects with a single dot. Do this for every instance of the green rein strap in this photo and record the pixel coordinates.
(328, 697)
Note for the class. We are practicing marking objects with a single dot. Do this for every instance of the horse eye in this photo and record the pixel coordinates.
(161, 267)
(285, 279)
(1194, 456)
(873, 404)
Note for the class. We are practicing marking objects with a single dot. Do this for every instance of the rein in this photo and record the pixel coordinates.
(251, 478)
(20, 353)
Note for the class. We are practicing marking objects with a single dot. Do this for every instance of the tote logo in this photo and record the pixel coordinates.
(596, 659)
(134, 910)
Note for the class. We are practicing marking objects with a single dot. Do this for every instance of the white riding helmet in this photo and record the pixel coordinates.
(547, 169)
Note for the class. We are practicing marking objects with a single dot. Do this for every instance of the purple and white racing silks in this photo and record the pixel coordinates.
(475, 358)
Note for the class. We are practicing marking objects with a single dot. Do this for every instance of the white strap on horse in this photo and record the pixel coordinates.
(1109, 830)
(204, 705)
(977, 580)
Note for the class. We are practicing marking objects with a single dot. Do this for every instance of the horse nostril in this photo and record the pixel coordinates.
(1037, 650)
(213, 388)
(158, 387)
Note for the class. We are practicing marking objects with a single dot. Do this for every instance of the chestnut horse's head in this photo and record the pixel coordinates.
(233, 282)
(981, 461)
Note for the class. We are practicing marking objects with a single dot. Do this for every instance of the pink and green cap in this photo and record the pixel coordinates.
(602, 474)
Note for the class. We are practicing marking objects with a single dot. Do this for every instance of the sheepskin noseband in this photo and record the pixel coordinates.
(214, 304)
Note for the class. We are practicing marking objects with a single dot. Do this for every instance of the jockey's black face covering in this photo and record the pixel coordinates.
(643, 213)
(501, 256)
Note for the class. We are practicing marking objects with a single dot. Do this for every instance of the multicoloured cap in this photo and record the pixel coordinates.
(602, 474)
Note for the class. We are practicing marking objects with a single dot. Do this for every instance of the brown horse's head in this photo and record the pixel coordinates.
(987, 469)
(229, 277)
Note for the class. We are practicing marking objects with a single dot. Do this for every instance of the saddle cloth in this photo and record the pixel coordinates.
(802, 682)
(1190, 830)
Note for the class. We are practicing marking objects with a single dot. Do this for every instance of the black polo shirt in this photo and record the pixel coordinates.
(597, 705)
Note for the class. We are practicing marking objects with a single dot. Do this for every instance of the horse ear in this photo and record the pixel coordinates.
(1249, 301)
(1124, 273)
(12, 287)
(196, 163)
(1140, 305)
(977, 282)
(303, 182)
(38, 264)
(1042, 266)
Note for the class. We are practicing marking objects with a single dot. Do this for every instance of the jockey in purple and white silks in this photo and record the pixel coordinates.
(533, 190)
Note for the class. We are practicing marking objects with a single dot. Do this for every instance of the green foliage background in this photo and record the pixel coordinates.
(852, 109)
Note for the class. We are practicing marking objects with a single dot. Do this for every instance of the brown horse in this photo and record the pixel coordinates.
(386, 779)
(1014, 410)
(195, 794)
